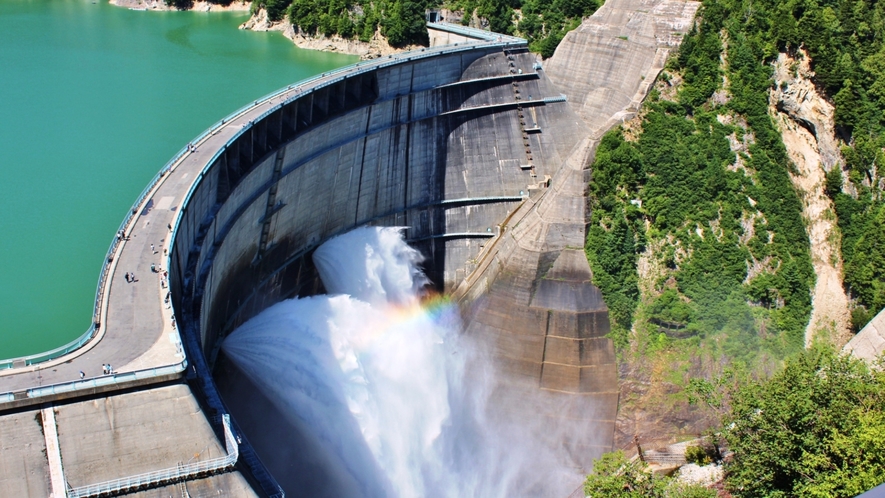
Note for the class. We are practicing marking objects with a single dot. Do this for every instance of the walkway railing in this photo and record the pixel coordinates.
(479, 34)
(166, 476)
(104, 380)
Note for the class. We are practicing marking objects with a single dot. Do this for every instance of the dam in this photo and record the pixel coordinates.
(471, 145)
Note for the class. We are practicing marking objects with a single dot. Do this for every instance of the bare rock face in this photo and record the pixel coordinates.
(258, 22)
(607, 65)
(805, 121)
(796, 97)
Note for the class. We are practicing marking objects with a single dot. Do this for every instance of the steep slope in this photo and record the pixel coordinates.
(805, 121)
(607, 65)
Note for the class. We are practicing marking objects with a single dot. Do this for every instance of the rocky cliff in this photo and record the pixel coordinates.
(805, 120)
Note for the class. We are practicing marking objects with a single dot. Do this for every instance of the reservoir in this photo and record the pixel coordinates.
(95, 99)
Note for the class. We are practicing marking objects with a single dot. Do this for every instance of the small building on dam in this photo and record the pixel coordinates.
(481, 151)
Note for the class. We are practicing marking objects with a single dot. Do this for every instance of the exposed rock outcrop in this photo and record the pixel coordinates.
(373, 49)
(805, 120)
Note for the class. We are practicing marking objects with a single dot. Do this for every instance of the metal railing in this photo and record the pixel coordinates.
(664, 457)
(166, 476)
(477, 33)
(104, 380)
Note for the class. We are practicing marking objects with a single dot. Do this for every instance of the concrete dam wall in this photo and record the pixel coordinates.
(448, 146)
(434, 145)
(469, 146)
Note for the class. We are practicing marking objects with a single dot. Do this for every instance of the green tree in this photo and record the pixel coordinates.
(865, 274)
(812, 429)
(614, 476)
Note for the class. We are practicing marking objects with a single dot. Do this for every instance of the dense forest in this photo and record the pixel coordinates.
(703, 188)
(401, 22)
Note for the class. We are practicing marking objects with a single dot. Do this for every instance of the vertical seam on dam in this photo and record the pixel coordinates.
(366, 135)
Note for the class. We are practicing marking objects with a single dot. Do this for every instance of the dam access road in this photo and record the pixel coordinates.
(470, 144)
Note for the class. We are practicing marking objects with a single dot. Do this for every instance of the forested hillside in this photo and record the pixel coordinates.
(401, 22)
(697, 238)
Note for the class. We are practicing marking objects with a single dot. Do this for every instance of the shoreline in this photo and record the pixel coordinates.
(373, 49)
(197, 6)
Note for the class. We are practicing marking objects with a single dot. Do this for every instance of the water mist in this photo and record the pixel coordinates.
(378, 375)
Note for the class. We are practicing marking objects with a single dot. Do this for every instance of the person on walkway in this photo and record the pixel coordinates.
(82, 374)
(152, 249)
(126, 277)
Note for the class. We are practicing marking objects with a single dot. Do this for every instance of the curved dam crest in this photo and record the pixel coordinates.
(472, 147)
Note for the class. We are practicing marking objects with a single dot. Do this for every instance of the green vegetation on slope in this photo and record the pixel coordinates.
(816, 428)
(735, 271)
(846, 42)
(615, 477)
(542, 23)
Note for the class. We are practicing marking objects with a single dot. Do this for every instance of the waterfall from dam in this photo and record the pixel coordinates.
(378, 376)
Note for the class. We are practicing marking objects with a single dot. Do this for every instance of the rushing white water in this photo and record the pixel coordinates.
(378, 379)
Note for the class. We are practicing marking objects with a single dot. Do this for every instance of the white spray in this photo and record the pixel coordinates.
(380, 381)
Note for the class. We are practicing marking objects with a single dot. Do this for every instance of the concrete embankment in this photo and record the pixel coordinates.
(869, 343)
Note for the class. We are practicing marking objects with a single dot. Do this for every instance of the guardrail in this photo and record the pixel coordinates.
(106, 380)
(165, 476)
(479, 34)
(664, 457)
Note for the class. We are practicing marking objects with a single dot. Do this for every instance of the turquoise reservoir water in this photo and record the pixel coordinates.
(94, 99)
